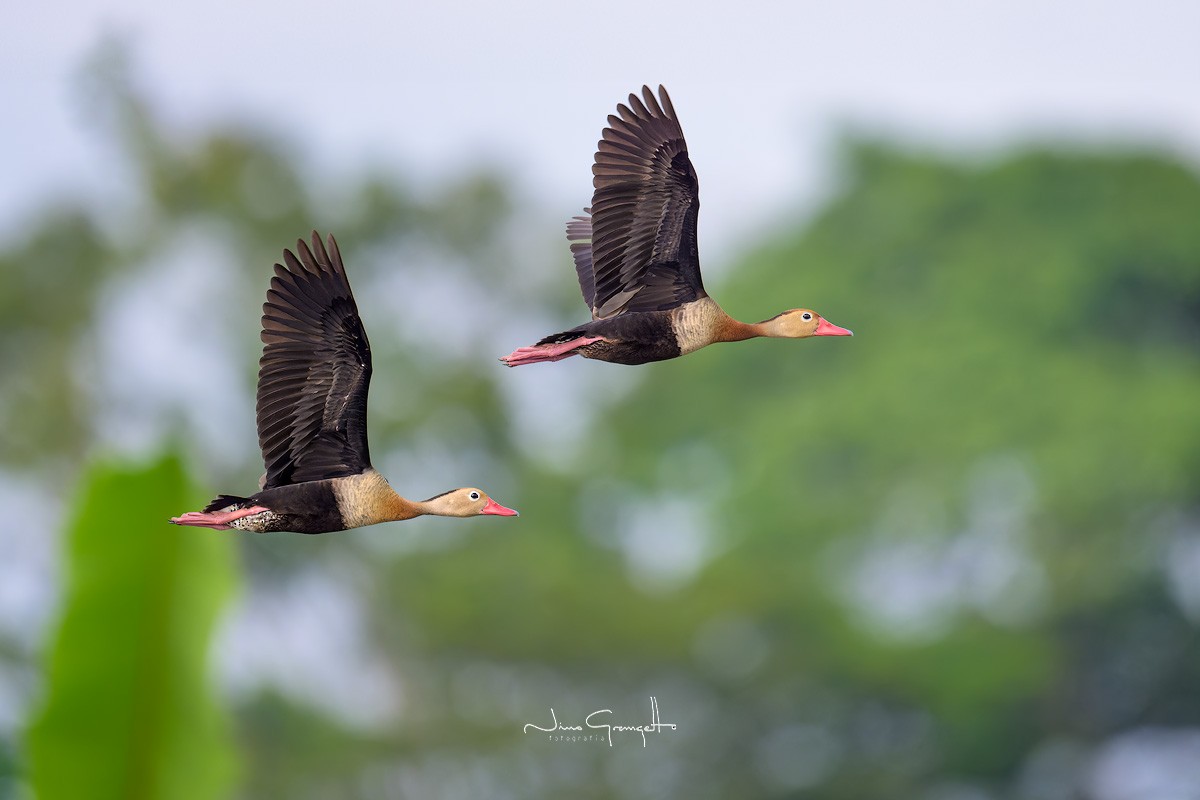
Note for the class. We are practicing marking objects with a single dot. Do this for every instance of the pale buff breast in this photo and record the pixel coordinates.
(365, 499)
(696, 324)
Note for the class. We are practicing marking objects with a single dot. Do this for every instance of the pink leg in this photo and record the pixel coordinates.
(217, 520)
(547, 352)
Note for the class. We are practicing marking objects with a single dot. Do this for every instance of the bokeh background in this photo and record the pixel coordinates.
(956, 557)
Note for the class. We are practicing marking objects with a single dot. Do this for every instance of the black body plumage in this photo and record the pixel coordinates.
(313, 379)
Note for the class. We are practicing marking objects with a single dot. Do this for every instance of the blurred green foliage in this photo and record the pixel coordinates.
(950, 557)
(129, 712)
(1013, 427)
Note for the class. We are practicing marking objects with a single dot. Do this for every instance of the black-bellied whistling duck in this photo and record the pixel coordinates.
(636, 258)
(312, 415)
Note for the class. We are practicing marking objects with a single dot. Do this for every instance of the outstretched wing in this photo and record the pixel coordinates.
(643, 216)
(579, 234)
(315, 371)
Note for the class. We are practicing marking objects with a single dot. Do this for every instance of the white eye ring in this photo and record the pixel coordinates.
(806, 315)
(474, 495)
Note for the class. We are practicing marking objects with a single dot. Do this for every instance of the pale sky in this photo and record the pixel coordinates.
(762, 89)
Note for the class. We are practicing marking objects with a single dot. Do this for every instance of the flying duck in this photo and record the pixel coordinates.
(636, 257)
(312, 415)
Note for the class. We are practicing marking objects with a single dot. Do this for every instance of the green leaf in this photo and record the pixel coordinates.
(130, 714)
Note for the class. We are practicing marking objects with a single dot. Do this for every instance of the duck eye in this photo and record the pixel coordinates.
(474, 495)
(806, 316)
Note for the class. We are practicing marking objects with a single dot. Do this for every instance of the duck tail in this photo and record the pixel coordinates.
(218, 520)
(552, 348)
(224, 501)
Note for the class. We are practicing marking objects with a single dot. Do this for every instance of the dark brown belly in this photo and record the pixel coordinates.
(625, 352)
(309, 507)
(637, 338)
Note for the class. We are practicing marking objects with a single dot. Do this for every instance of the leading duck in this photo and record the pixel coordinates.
(636, 257)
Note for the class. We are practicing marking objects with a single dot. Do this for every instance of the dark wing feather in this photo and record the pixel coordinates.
(314, 373)
(579, 234)
(644, 212)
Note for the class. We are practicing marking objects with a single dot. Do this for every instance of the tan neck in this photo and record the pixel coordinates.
(395, 508)
(391, 507)
(732, 330)
(436, 507)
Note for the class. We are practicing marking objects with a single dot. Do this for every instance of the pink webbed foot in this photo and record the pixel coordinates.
(547, 352)
(217, 520)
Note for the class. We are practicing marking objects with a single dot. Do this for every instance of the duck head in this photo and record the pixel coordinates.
(800, 323)
(467, 502)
